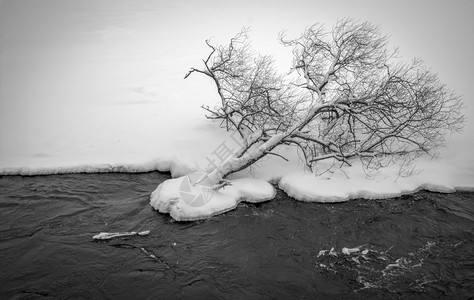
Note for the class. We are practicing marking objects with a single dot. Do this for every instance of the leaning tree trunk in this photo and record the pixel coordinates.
(241, 162)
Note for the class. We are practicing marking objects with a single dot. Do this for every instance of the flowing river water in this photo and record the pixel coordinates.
(419, 246)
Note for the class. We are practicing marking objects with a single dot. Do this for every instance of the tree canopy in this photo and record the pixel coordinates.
(347, 96)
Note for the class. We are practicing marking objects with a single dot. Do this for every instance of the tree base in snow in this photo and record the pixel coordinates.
(195, 196)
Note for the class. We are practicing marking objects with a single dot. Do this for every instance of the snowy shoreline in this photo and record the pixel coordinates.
(137, 169)
(298, 185)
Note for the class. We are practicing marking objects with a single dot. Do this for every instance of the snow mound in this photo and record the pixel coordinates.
(194, 197)
(310, 188)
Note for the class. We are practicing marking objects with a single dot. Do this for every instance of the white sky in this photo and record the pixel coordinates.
(68, 68)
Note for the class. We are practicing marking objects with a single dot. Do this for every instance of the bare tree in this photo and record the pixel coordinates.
(347, 97)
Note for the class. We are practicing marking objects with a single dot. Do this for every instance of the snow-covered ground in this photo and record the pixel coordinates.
(97, 86)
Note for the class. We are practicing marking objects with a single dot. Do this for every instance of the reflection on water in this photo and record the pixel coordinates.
(417, 246)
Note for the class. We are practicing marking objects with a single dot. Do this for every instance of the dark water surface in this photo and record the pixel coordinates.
(417, 246)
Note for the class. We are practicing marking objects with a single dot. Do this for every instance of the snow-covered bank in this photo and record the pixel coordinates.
(442, 176)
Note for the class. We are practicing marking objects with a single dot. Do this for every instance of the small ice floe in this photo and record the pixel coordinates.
(149, 253)
(111, 235)
(329, 252)
(322, 252)
(327, 268)
(356, 260)
(348, 251)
